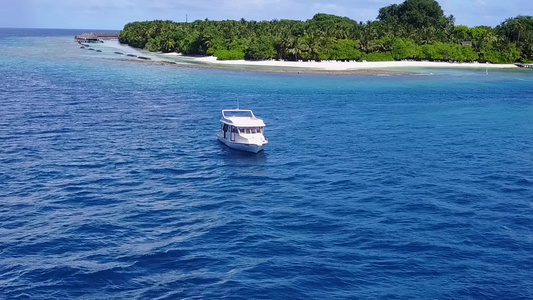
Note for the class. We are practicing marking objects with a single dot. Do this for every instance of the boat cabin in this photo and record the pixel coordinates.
(243, 131)
(239, 122)
(241, 128)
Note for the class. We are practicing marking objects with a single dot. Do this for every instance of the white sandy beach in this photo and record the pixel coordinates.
(309, 65)
(347, 66)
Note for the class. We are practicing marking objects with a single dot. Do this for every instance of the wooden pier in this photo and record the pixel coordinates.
(96, 37)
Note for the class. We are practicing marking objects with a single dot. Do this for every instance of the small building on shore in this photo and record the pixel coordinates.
(96, 37)
(527, 66)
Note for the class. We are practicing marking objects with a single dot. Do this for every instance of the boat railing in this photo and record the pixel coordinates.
(243, 113)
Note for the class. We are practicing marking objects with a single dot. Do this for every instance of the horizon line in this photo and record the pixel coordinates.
(55, 28)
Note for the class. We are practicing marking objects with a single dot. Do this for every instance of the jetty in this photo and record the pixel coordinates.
(96, 37)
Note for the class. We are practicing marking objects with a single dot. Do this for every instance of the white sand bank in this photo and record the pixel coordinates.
(347, 66)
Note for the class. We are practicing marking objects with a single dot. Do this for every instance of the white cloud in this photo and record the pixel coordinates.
(249, 4)
(328, 8)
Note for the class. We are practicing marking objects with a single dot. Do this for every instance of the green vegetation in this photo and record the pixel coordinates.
(414, 29)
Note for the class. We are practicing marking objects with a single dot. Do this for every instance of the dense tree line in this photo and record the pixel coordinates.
(414, 29)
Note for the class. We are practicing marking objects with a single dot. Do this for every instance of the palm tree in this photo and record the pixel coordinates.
(368, 38)
(296, 48)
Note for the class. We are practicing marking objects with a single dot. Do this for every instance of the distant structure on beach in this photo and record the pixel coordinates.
(96, 37)
(527, 66)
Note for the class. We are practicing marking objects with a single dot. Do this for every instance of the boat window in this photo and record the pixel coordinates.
(241, 130)
(237, 113)
(258, 129)
(253, 130)
(247, 130)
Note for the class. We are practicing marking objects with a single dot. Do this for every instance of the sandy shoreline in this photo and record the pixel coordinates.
(347, 66)
(385, 67)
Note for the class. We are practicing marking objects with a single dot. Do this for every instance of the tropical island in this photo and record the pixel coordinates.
(413, 30)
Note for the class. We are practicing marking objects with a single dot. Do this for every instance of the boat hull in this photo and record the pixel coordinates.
(254, 148)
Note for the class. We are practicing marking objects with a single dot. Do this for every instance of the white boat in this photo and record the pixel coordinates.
(242, 130)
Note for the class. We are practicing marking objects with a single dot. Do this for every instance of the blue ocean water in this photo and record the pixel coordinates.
(113, 185)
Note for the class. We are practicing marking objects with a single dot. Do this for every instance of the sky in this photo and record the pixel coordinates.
(114, 14)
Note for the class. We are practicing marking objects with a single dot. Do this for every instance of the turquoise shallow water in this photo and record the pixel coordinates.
(112, 183)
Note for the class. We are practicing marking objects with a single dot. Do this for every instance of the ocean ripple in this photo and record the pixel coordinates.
(112, 184)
